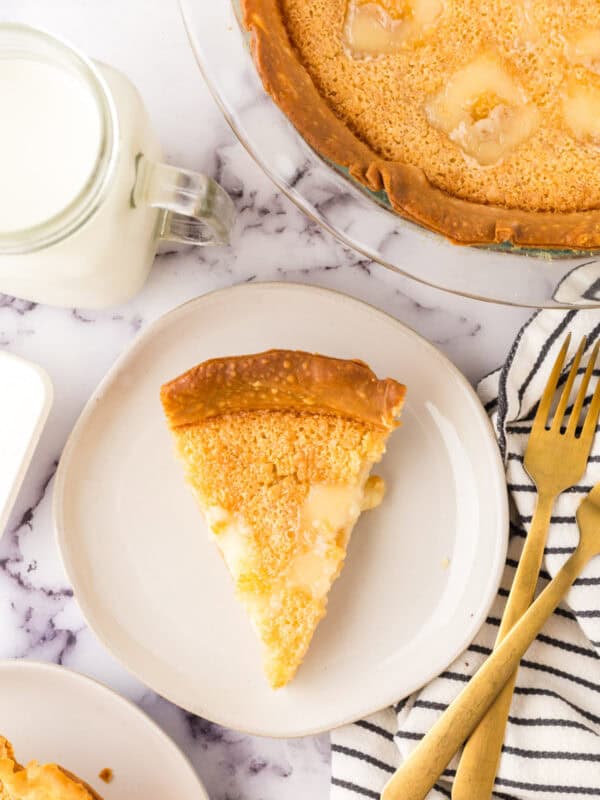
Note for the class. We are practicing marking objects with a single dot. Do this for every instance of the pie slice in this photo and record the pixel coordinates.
(278, 448)
(38, 781)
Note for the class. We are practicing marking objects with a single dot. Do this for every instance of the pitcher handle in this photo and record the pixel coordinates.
(196, 209)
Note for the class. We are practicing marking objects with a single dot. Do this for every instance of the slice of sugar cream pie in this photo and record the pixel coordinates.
(278, 448)
(38, 781)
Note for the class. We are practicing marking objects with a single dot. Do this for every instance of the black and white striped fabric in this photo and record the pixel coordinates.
(552, 745)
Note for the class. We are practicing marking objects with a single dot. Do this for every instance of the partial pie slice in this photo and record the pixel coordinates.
(278, 448)
(38, 781)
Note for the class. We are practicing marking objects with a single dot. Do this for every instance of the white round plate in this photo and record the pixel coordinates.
(422, 569)
(54, 715)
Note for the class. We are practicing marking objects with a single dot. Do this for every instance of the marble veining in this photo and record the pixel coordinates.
(39, 617)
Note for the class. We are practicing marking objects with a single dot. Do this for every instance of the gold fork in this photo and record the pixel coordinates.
(428, 760)
(555, 459)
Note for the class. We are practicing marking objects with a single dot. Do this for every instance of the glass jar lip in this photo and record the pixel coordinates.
(90, 197)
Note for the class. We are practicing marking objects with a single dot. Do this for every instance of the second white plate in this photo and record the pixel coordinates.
(422, 569)
(54, 715)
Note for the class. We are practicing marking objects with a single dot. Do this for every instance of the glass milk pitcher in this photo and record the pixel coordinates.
(84, 196)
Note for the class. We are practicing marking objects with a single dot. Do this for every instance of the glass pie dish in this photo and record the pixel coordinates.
(358, 217)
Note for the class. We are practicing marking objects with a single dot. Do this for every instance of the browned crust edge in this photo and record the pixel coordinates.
(81, 782)
(282, 380)
(408, 189)
(71, 786)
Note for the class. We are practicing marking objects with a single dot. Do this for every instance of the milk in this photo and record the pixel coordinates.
(50, 135)
(50, 138)
(84, 196)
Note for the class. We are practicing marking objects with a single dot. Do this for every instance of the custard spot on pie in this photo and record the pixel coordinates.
(483, 105)
(584, 49)
(483, 110)
(373, 493)
(371, 30)
(581, 106)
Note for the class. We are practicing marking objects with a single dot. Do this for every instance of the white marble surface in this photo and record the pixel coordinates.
(38, 616)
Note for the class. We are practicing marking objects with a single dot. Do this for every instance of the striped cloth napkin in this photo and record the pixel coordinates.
(552, 745)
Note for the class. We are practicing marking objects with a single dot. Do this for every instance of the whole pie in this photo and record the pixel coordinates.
(479, 118)
(278, 448)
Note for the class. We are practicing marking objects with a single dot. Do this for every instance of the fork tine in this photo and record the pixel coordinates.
(546, 399)
(580, 399)
(591, 418)
(566, 392)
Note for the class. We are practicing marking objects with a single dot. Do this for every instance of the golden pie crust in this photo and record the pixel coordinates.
(289, 380)
(38, 781)
(411, 192)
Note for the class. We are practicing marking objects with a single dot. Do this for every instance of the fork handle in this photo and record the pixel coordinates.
(478, 765)
(417, 776)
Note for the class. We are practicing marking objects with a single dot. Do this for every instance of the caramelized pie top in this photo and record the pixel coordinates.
(490, 102)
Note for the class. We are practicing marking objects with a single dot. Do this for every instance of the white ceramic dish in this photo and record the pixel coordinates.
(422, 569)
(25, 400)
(54, 715)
